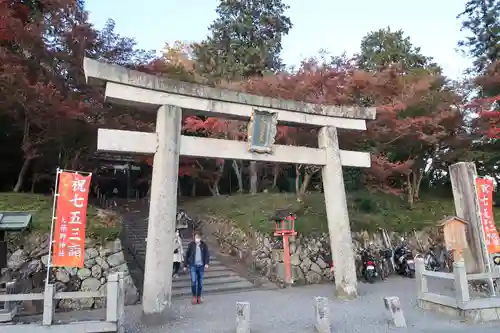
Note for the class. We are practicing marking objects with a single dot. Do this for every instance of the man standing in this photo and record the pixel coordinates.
(197, 259)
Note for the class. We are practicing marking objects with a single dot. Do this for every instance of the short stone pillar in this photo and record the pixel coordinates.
(242, 317)
(322, 315)
(48, 305)
(393, 305)
(420, 277)
(460, 283)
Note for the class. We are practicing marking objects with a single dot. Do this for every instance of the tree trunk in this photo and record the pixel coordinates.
(418, 182)
(238, 171)
(75, 160)
(276, 174)
(33, 183)
(303, 187)
(215, 190)
(34, 178)
(305, 184)
(253, 177)
(193, 189)
(409, 190)
(148, 193)
(297, 178)
(22, 175)
(309, 172)
(215, 187)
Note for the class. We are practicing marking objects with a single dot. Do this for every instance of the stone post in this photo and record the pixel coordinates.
(337, 215)
(10, 288)
(393, 305)
(112, 295)
(420, 278)
(162, 212)
(242, 317)
(463, 181)
(322, 317)
(115, 298)
(461, 284)
(48, 305)
(120, 324)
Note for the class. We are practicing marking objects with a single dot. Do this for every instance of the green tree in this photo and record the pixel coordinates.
(245, 39)
(385, 48)
(481, 18)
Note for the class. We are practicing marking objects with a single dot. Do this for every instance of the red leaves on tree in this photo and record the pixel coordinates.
(215, 128)
(31, 92)
(489, 116)
(414, 113)
(42, 87)
(488, 108)
(210, 127)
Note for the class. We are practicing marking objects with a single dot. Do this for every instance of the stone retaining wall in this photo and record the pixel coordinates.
(28, 266)
(310, 255)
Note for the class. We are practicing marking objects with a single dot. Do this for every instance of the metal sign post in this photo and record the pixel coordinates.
(54, 217)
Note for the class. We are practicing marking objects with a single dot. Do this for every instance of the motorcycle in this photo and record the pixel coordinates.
(385, 256)
(404, 260)
(369, 269)
(433, 262)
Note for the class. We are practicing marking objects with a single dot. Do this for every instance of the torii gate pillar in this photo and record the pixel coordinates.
(339, 228)
(157, 288)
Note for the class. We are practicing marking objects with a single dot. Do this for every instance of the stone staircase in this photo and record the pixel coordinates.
(218, 278)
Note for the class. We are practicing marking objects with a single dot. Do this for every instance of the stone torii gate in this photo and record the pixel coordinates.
(171, 100)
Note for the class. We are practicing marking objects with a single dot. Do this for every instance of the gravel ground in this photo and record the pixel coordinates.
(292, 311)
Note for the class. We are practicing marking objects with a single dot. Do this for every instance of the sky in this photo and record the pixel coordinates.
(332, 25)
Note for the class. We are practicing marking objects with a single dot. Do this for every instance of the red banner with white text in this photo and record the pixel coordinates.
(485, 189)
(71, 218)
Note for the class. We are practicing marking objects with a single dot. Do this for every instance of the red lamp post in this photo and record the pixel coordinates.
(286, 228)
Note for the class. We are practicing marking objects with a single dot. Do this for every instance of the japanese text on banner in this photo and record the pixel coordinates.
(485, 195)
(71, 218)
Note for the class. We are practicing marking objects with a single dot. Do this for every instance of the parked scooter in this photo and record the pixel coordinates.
(370, 268)
(385, 260)
(438, 259)
(404, 260)
(431, 261)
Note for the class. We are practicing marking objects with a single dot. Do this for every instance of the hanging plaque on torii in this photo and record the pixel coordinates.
(262, 129)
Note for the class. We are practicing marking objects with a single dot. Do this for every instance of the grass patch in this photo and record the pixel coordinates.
(40, 206)
(367, 211)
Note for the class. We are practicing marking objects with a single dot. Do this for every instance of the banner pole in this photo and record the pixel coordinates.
(54, 217)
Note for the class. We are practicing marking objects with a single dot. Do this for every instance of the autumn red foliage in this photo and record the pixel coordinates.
(488, 115)
(44, 97)
(54, 113)
(34, 95)
(488, 108)
(414, 114)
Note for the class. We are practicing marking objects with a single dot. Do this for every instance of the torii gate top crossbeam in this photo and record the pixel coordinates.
(99, 73)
